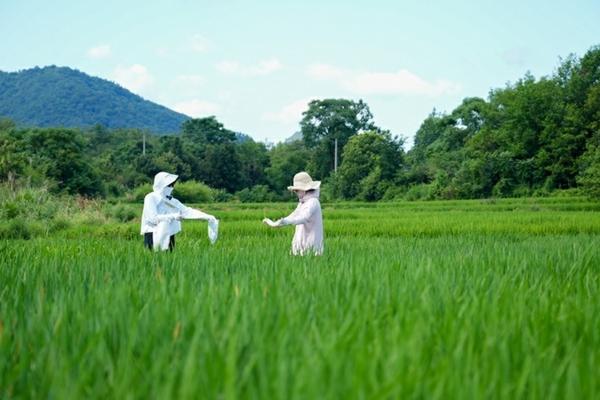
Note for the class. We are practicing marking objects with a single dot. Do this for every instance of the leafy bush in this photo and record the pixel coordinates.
(192, 192)
(256, 194)
(419, 192)
(123, 212)
(589, 178)
(59, 224)
(221, 196)
(521, 191)
(394, 193)
(19, 228)
(29, 203)
(138, 193)
(330, 189)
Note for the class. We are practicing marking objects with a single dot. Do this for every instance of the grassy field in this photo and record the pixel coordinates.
(416, 300)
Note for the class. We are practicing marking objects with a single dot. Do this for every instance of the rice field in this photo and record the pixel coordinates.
(417, 300)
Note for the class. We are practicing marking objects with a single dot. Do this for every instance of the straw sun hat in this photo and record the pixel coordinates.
(303, 181)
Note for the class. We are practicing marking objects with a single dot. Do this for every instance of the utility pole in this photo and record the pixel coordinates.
(335, 157)
(144, 144)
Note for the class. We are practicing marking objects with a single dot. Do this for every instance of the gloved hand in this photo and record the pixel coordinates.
(212, 219)
(272, 224)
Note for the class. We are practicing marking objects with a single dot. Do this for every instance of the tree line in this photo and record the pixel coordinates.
(531, 137)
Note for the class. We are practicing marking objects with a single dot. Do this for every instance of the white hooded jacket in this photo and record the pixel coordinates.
(162, 212)
(308, 219)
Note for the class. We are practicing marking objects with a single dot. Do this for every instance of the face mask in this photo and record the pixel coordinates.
(167, 191)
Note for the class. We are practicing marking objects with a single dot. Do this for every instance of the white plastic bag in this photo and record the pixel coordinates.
(213, 230)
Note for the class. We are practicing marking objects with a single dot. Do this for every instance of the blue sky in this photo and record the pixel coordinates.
(256, 64)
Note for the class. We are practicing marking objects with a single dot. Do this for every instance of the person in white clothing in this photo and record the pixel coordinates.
(162, 215)
(307, 217)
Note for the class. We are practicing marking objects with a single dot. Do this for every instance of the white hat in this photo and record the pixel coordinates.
(162, 180)
(303, 181)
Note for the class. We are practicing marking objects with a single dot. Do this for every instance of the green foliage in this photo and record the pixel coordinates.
(204, 131)
(254, 160)
(54, 154)
(420, 192)
(16, 229)
(139, 192)
(124, 212)
(589, 179)
(371, 160)
(256, 194)
(221, 166)
(531, 137)
(29, 212)
(527, 138)
(192, 192)
(221, 196)
(34, 203)
(329, 120)
(286, 160)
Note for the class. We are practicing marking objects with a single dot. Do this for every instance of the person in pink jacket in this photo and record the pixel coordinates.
(307, 217)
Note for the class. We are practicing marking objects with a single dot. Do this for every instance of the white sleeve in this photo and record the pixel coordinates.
(189, 212)
(192, 213)
(301, 214)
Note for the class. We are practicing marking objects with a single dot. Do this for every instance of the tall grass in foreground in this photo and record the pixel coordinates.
(461, 310)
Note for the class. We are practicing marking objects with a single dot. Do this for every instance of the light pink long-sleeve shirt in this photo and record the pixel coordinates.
(307, 217)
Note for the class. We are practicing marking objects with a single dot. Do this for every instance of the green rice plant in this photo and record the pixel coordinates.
(436, 300)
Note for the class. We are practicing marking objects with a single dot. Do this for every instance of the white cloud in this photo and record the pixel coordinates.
(196, 108)
(228, 67)
(290, 113)
(324, 71)
(199, 44)
(190, 80)
(401, 82)
(264, 67)
(98, 52)
(386, 83)
(135, 78)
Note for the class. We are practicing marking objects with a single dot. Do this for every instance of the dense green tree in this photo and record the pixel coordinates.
(254, 160)
(589, 178)
(286, 159)
(208, 130)
(371, 160)
(329, 120)
(60, 154)
(220, 167)
(13, 160)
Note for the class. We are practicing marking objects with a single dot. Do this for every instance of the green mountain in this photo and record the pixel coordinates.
(294, 138)
(61, 96)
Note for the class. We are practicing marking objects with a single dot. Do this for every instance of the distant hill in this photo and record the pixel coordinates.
(241, 137)
(61, 96)
(294, 138)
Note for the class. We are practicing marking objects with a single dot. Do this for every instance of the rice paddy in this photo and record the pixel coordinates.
(417, 300)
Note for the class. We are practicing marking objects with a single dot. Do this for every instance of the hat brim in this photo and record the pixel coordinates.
(171, 179)
(312, 186)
